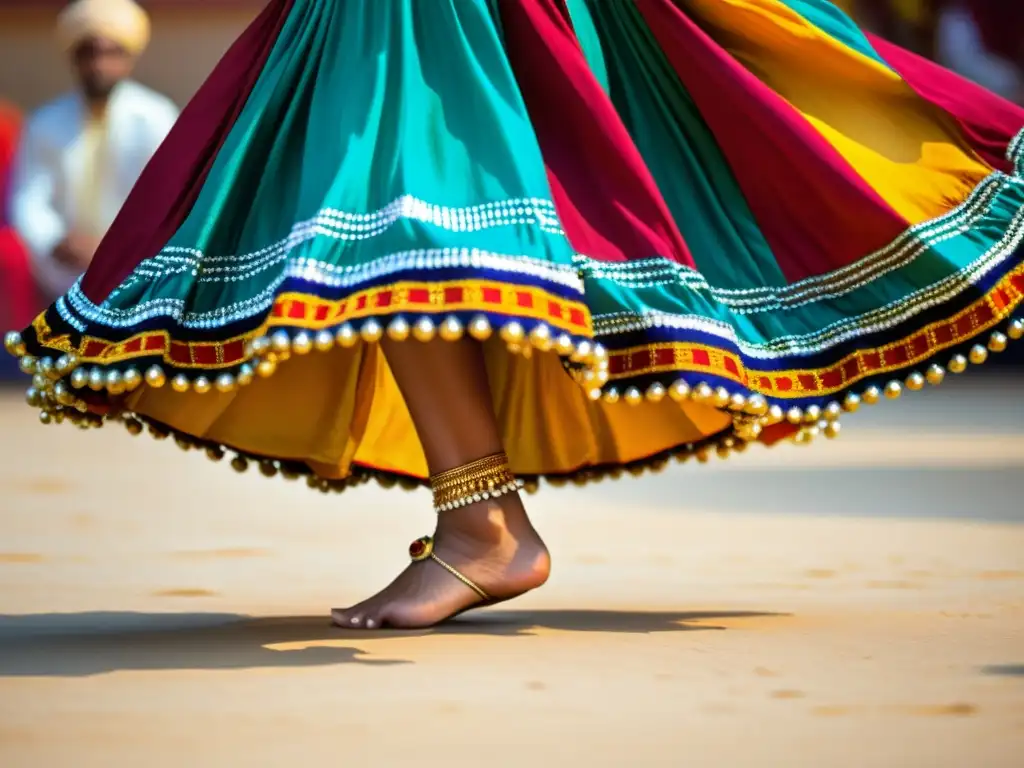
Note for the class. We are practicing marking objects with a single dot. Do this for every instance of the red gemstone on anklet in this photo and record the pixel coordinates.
(417, 548)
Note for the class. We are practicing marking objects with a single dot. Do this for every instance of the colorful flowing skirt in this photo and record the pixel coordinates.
(675, 226)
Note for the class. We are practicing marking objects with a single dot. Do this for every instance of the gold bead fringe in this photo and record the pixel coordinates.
(55, 380)
(721, 445)
(486, 478)
(586, 361)
(752, 413)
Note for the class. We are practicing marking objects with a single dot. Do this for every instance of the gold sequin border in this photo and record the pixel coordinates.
(311, 312)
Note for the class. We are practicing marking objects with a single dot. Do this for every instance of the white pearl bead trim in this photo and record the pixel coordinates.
(476, 498)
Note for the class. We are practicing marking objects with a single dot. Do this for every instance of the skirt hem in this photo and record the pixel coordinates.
(753, 419)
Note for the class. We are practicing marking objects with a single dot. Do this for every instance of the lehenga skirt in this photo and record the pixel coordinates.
(676, 227)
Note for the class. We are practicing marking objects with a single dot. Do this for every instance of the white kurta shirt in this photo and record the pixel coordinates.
(55, 187)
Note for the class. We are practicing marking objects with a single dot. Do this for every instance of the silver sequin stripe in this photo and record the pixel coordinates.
(903, 251)
(1015, 153)
(346, 226)
(647, 273)
(313, 272)
(976, 205)
(839, 332)
(353, 274)
(173, 309)
(604, 324)
(363, 226)
(65, 313)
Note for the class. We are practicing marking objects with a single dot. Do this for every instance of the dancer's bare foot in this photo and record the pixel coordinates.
(491, 543)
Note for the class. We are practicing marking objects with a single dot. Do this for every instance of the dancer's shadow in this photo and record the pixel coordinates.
(81, 644)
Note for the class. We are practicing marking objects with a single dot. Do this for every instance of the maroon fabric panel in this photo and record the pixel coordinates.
(814, 210)
(988, 122)
(1001, 23)
(170, 184)
(606, 198)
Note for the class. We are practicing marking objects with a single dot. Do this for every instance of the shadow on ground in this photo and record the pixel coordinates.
(82, 644)
(1005, 670)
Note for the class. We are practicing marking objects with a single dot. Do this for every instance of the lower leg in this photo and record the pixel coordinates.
(445, 388)
(444, 385)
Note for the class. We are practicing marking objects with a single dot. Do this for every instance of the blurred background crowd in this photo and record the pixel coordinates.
(77, 124)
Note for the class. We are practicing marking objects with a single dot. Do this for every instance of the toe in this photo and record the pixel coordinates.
(353, 616)
(348, 618)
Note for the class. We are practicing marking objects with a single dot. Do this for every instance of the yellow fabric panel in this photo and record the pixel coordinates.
(330, 409)
(549, 424)
(908, 150)
(389, 441)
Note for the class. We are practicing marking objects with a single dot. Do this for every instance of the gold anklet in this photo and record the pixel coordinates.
(486, 478)
(486, 463)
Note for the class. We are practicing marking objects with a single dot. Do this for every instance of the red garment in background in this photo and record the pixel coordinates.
(19, 297)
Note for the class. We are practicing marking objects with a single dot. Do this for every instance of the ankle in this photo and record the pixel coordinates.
(487, 522)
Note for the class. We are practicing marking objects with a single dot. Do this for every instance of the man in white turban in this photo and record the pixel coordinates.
(81, 154)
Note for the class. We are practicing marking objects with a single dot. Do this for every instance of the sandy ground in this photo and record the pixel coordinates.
(854, 604)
